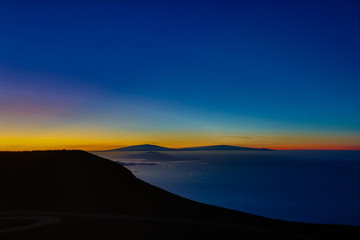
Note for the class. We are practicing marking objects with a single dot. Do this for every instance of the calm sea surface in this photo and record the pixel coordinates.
(306, 186)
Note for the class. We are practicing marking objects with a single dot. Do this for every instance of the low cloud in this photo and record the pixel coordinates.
(136, 163)
(157, 157)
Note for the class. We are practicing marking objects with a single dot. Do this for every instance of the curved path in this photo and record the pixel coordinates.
(24, 222)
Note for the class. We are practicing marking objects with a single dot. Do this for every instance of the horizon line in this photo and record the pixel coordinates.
(100, 147)
(109, 149)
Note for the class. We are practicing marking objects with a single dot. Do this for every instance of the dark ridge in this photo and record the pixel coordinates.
(149, 147)
(223, 147)
(79, 182)
(145, 147)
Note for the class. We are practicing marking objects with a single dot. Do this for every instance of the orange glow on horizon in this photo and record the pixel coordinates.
(113, 145)
(97, 139)
(317, 147)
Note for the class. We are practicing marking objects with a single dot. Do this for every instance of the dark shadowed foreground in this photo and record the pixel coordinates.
(77, 195)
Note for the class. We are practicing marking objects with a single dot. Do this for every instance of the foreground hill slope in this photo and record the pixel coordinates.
(89, 193)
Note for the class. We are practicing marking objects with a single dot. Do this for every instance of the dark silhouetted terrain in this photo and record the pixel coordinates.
(145, 147)
(77, 195)
(224, 147)
(149, 147)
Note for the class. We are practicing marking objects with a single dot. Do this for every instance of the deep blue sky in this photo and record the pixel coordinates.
(248, 66)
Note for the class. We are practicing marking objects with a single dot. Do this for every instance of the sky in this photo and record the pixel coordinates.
(98, 75)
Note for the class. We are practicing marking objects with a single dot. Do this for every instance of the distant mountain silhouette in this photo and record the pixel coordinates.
(145, 147)
(223, 147)
(149, 147)
(83, 196)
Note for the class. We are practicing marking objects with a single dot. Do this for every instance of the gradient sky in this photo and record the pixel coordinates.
(103, 74)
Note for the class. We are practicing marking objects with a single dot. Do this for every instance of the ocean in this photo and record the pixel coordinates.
(304, 186)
